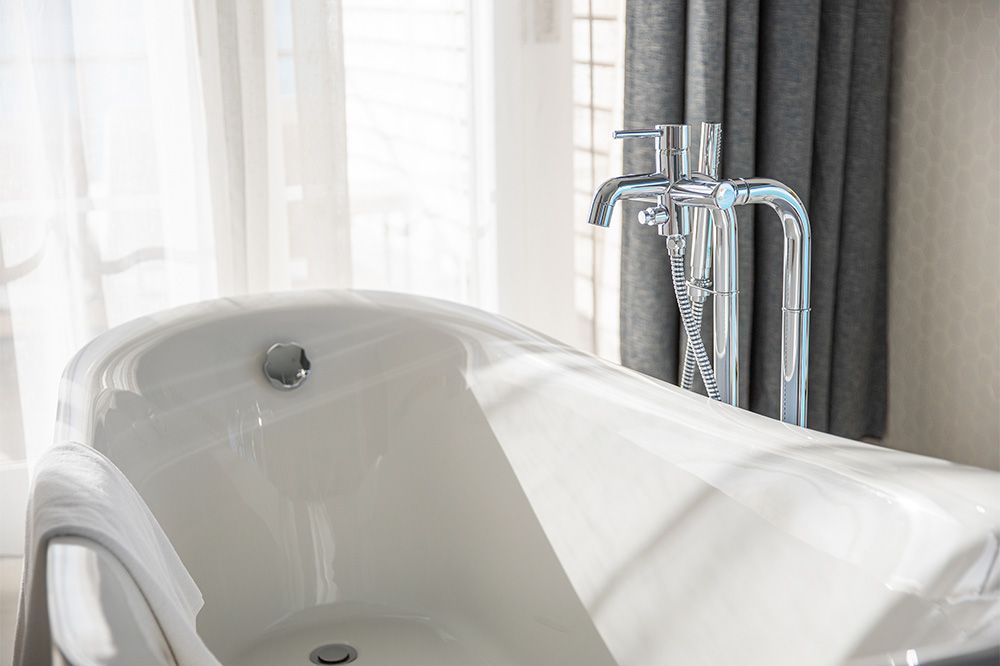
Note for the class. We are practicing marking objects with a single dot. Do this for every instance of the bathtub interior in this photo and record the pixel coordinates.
(481, 494)
(374, 499)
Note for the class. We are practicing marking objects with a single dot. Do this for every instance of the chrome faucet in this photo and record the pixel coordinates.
(700, 206)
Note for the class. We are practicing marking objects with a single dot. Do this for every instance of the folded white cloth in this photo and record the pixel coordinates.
(78, 492)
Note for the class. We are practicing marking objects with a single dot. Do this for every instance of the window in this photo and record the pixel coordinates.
(598, 57)
(412, 147)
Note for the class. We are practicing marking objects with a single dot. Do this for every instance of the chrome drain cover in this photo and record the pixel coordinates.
(333, 653)
(286, 366)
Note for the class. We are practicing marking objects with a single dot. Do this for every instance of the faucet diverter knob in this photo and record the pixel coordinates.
(653, 216)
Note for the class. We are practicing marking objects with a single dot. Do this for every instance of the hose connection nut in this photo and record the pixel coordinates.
(675, 246)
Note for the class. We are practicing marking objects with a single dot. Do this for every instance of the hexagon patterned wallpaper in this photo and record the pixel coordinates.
(944, 232)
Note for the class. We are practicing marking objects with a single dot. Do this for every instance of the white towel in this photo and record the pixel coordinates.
(78, 492)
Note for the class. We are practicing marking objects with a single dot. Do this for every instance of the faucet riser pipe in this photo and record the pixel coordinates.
(795, 225)
(701, 240)
(726, 345)
(796, 274)
(794, 366)
(674, 158)
(701, 222)
(726, 305)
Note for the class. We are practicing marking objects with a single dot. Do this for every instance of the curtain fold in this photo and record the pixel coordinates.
(237, 54)
(655, 70)
(801, 87)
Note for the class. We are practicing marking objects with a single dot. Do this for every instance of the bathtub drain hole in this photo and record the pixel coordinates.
(333, 653)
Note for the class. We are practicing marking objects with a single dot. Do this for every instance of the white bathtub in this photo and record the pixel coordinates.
(448, 487)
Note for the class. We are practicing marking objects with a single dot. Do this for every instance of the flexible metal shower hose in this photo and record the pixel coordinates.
(687, 375)
(692, 327)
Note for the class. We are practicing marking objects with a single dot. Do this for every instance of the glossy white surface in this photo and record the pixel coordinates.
(86, 581)
(452, 488)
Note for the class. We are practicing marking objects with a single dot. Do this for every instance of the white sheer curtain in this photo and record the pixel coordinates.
(156, 153)
(272, 86)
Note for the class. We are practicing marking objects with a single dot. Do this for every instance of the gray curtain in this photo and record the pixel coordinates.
(801, 87)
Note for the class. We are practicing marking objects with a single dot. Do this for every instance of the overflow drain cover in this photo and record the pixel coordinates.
(334, 653)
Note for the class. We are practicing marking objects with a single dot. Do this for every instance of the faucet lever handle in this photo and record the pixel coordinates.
(657, 134)
(675, 137)
(654, 133)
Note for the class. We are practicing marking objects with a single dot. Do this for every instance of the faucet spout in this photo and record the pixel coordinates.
(624, 187)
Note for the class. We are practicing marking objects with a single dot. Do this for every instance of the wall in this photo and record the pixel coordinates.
(944, 233)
